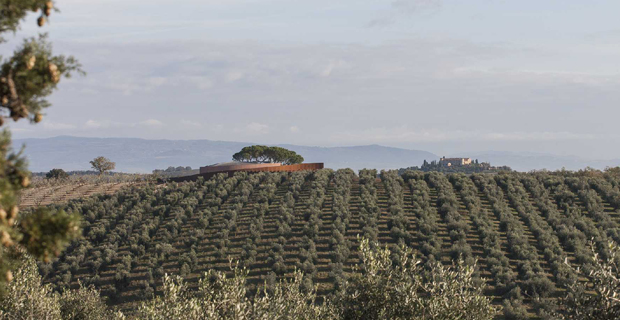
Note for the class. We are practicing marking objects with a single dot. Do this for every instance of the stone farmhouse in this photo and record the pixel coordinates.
(450, 162)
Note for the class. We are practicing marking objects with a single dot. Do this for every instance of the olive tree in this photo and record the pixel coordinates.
(102, 164)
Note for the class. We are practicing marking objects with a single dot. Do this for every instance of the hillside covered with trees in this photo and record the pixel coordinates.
(530, 237)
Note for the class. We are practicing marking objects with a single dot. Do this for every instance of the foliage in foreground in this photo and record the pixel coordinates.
(380, 291)
(383, 291)
(27, 78)
(27, 298)
(600, 299)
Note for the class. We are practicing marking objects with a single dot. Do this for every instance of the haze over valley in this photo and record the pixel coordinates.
(144, 156)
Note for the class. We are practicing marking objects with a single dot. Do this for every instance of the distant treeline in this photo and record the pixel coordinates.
(81, 173)
(176, 171)
(474, 167)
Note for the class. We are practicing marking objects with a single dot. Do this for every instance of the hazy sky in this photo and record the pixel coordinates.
(443, 76)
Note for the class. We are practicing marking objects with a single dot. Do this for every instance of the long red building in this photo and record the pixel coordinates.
(231, 167)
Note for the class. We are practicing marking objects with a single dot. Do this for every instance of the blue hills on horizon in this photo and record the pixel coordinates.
(143, 156)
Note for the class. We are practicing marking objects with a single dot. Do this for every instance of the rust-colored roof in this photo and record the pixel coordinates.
(236, 166)
(273, 168)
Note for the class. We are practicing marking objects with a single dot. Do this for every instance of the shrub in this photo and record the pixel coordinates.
(57, 174)
(27, 298)
(219, 297)
(382, 291)
(386, 291)
(579, 302)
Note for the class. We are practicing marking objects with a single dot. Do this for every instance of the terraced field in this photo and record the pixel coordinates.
(43, 196)
(527, 232)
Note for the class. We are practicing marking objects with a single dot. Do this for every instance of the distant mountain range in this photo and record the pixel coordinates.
(141, 155)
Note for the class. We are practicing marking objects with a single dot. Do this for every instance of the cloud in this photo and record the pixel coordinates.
(157, 81)
(151, 123)
(141, 70)
(413, 6)
(233, 76)
(190, 123)
(442, 88)
(538, 136)
(103, 124)
(406, 8)
(93, 124)
(405, 134)
(327, 71)
(200, 82)
(49, 125)
(257, 128)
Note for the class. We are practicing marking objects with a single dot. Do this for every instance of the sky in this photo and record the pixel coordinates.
(449, 77)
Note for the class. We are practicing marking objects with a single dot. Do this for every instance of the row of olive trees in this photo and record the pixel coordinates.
(610, 192)
(179, 204)
(145, 219)
(229, 223)
(503, 277)
(129, 218)
(164, 240)
(534, 282)
(220, 207)
(397, 221)
(594, 207)
(284, 223)
(339, 246)
(544, 233)
(176, 246)
(266, 196)
(369, 210)
(567, 205)
(565, 224)
(448, 208)
(381, 290)
(543, 229)
(308, 255)
(428, 240)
